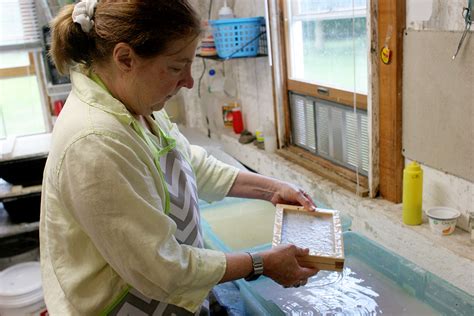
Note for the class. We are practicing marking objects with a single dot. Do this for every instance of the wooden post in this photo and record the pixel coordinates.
(391, 19)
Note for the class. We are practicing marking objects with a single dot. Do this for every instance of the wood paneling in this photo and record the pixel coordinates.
(284, 55)
(373, 102)
(330, 94)
(391, 19)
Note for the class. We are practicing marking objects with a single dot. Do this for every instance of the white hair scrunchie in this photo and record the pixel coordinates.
(83, 14)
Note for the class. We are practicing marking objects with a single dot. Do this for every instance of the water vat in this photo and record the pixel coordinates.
(374, 281)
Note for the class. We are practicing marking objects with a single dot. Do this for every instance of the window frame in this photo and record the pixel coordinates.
(383, 104)
(19, 71)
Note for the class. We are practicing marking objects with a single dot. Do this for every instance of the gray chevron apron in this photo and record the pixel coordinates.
(182, 204)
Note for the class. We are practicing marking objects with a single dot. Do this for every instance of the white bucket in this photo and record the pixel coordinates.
(20, 290)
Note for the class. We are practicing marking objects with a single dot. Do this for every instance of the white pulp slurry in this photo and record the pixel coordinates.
(308, 231)
(358, 290)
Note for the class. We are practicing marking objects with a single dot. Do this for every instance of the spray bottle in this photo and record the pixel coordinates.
(412, 193)
(226, 12)
(213, 95)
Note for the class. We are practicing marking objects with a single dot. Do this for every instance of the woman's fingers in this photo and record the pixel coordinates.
(281, 265)
(306, 201)
(298, 284)
(308, 272)
(300, 252)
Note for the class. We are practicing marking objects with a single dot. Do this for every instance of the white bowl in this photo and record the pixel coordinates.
(442, 219)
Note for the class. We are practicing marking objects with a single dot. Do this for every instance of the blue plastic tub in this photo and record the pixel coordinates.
(238, 37)
(375, 280)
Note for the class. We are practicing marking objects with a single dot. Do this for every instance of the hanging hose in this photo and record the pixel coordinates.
(467, 15)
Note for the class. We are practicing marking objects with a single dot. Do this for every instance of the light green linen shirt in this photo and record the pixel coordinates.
(102, 226)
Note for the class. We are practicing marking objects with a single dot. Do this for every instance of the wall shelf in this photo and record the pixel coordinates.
(238, 42)
(216, 57)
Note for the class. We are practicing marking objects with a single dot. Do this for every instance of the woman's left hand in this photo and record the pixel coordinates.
(287, 193)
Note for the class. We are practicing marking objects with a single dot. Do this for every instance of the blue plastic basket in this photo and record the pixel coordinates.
(238, 37)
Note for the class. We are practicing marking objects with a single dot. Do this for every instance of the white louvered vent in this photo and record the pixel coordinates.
(322, 122)
(302, 120)
(341, 135)
(364, 144)
(352, 155)
(336, 132)
(19, 26)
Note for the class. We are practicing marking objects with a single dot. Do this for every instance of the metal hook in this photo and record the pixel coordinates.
(466, 13)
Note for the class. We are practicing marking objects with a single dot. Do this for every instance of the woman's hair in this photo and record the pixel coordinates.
(148, 26)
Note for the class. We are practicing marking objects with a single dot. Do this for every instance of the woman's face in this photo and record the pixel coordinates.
(155, 80)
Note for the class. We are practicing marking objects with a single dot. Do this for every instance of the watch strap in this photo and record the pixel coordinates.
(257, 264)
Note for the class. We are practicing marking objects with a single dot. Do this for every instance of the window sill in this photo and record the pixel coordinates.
(340, 175)
(25, 146)
(215, 57)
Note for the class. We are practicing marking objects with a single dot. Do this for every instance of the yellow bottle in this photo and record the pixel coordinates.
(412, 193)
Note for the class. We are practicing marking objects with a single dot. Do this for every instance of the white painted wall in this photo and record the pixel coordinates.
(440, 188)
(252, 76)
(439, 15)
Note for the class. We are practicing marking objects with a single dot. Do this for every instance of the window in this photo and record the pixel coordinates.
(328, 43)
(327, 80)
(21, 109)
(21, 106)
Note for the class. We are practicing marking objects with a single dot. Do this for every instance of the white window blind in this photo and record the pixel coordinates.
(19, 26)
(331, 130)
(302, 122)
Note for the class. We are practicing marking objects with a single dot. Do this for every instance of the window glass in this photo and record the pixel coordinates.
(328, 43)
(14, 59)
(21, 112)
(11, 26)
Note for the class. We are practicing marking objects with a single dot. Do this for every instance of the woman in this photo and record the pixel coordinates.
(120, 221)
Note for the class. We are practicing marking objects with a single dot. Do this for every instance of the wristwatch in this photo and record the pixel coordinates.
(257, 263)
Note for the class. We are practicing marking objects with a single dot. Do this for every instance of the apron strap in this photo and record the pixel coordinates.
(170, 144)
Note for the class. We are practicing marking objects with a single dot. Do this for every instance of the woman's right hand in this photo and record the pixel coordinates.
(281, 264)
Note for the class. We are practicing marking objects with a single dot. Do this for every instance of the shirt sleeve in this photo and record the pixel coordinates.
(114, 196)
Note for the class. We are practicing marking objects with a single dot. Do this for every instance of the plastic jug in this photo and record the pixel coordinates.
(270, 139)
(226, 12)
(412, 193)
(237, 122)
(218, 104)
